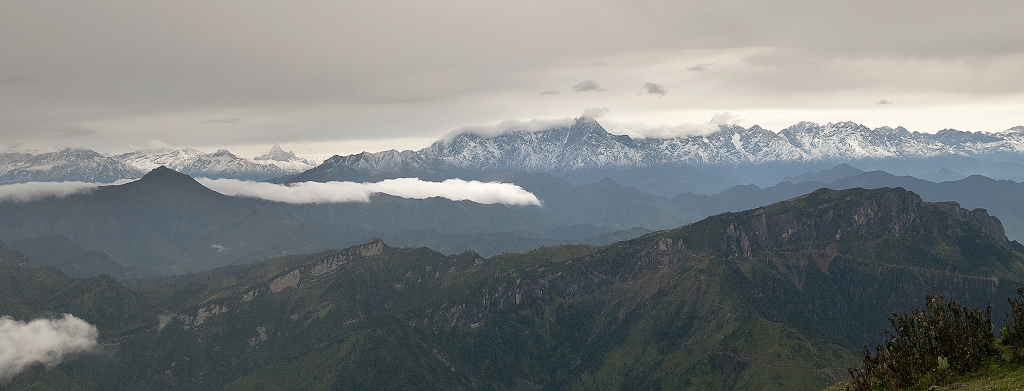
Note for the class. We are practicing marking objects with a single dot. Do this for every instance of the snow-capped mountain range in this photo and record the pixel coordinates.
(583, 145)
(220, 164)
(586, 145)
(90, 166)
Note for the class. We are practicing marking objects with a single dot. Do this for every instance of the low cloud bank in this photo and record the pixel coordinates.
(636, 130)
(333, 192)
(633, 130)
(507, 126)
(42, 341)
(31, 191)
(514, 125)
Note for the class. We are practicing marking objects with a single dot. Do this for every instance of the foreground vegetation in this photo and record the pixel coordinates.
(945, 346)
(779, 297)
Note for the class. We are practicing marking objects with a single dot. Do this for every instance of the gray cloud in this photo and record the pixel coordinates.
(655, 89)
(884, 102)
(550, 92)
(42, 341)
(700, 67)
(315, 71)
(594, 112)
(31, 191)
(16, 80)
(336, 192)
(638, 130)
(506, 126)
(724, 118)
(69, 131)
(220, 121)
(586, 85)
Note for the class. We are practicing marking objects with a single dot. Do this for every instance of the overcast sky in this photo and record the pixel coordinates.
(338, 77)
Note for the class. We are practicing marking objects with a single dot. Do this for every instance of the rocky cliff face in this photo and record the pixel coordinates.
(779, 297)
(830, 215)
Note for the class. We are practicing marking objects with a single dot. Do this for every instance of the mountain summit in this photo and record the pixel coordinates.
(782, 297)
(276, 153)
(586, 145)
(220, 164)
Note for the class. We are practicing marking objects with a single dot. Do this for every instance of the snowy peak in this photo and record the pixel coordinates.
(64, 165)
(280, 155)
(585, 144)
(150, 159)
(220, 164)
(285, 160)
(90, 166)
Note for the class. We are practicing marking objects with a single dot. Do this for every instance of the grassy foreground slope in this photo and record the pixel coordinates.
(779, 297)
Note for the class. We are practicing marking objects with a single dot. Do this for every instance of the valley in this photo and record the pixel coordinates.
(781, 296)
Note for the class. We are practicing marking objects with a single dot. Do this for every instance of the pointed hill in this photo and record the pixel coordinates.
(779, 297)
(167, 223)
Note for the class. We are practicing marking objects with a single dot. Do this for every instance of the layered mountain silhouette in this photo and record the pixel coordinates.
(167, 223)
(582, 151)
(778, 297)
(84, 165)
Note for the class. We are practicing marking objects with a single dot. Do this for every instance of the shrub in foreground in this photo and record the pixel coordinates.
(943, 338)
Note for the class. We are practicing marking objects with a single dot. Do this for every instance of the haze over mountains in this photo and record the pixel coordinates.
(618, 267)
(167, 223)
(778, 297)
(582, 151)
(141, 229)
(89, 166)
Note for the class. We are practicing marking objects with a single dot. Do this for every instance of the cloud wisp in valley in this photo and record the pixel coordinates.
(31, 191)
(336, 192)
(42, 341)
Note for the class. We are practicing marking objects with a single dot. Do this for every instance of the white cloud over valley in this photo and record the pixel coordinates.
(512, 125)
(42, 341)
(31, 191)
(332, 192)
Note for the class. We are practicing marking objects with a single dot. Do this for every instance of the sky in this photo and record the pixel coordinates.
(337, 77)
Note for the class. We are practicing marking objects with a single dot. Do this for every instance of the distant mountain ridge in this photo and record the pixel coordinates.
(582, 152)
(85, 165)
(586, 145)
(220, 164)
(781, 297)
(168, 223)
(193, 228)
(64, 165)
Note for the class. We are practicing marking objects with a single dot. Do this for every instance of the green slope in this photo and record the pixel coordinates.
(778, 297)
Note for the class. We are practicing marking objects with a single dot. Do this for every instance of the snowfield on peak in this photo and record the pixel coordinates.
(220, 164)
(90, 166)
(585, 144)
